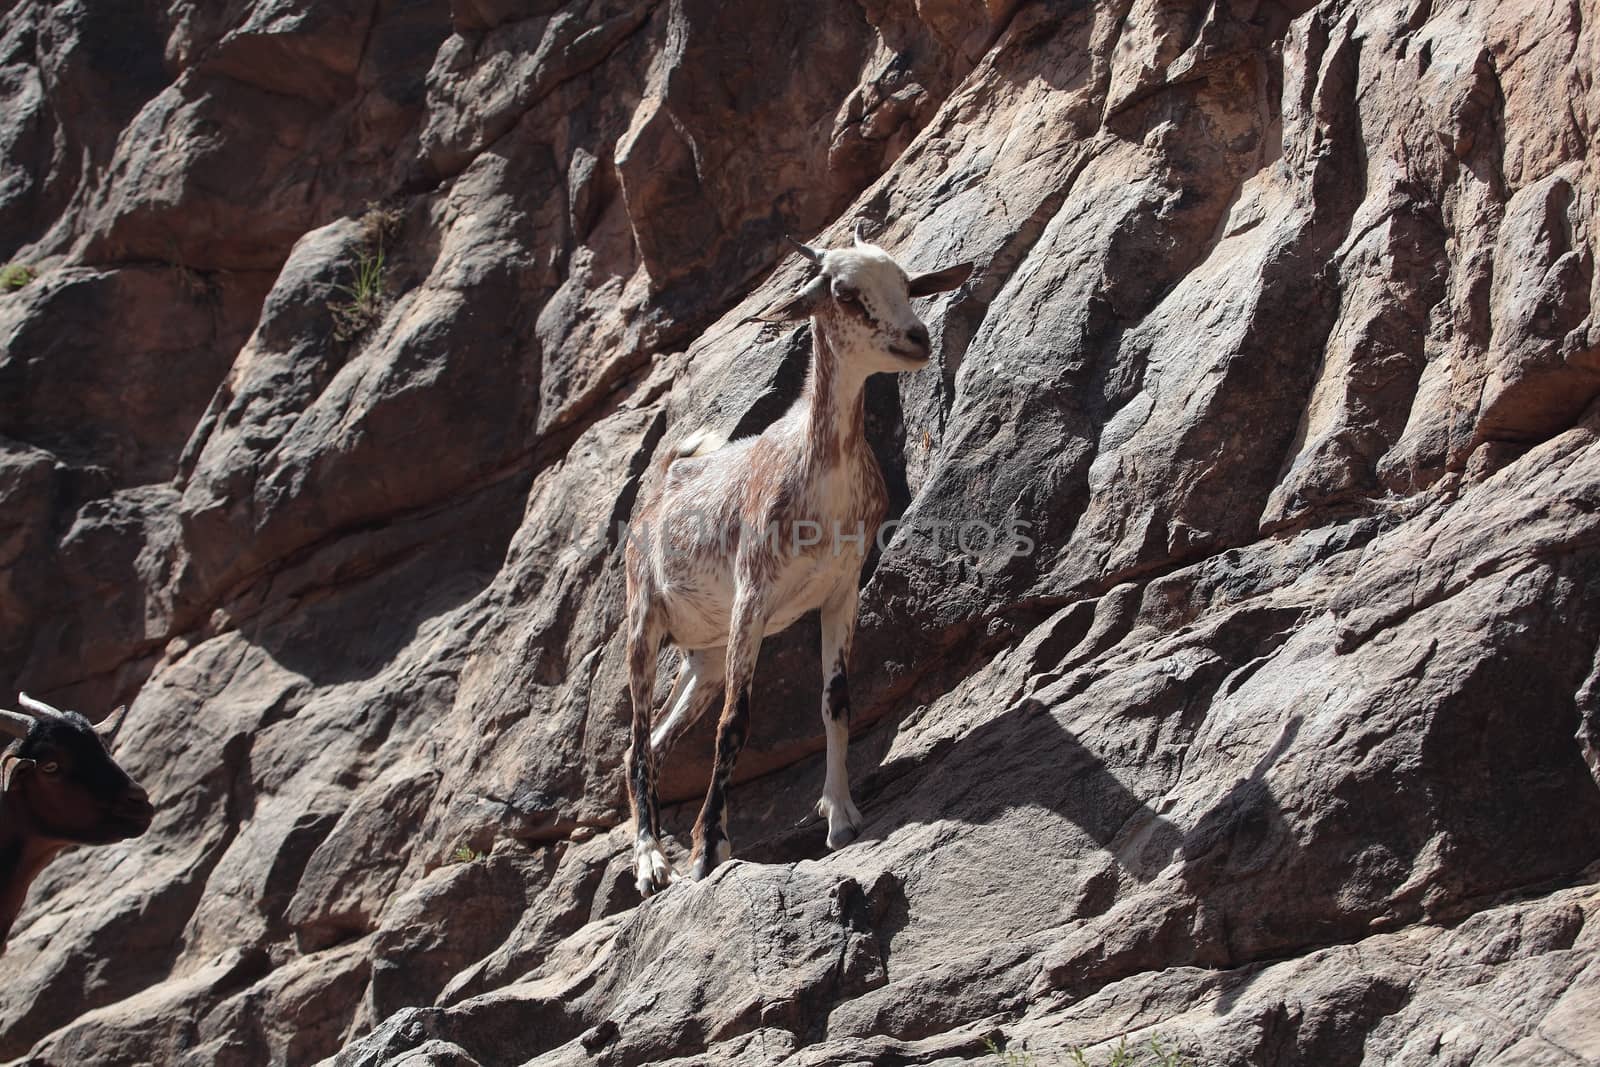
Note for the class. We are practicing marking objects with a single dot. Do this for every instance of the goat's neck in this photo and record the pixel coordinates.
(22, 856)
(835, 422)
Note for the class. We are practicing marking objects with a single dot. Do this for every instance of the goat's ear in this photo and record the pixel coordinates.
(107, 727)
(12, 768)
(940, 281)
(798, 307)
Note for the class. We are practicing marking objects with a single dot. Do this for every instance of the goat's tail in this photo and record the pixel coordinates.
(700, 443)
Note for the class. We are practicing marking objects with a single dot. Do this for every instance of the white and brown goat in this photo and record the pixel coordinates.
(737, 542)
(58, 787)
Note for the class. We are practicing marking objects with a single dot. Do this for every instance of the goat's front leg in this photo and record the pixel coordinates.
(838, 629)
(711, 845)
(651, 870)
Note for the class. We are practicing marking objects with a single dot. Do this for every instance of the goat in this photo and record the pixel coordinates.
(58, 787)
(722, 561)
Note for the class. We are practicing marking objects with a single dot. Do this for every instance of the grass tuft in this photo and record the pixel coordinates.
(363, 307)
(14, 276)
(466, 854)
(381, 224)
(1152, 1054)
(1019, 1058)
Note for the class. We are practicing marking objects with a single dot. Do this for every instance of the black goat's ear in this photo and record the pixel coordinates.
(12, 768)
(798, 307)
(941, 281)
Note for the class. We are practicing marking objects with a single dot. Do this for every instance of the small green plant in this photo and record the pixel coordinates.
(14, 276)
(1123, 1056)
(1164, 1058)
(466, 854)
(1008, 1057)
(364, 306)
(1153, 1054)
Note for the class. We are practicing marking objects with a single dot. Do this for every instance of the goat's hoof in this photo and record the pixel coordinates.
(840, 836)
(844, 821)
(703, 862)
(653, 871)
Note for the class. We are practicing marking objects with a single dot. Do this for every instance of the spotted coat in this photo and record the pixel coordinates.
(737, 542)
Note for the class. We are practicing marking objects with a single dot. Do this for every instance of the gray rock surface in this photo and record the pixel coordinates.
(1280, 745)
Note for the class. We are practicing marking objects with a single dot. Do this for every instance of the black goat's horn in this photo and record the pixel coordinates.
(38, 708)
(107, 727)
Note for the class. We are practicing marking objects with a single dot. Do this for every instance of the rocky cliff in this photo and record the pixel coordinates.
(338, 337)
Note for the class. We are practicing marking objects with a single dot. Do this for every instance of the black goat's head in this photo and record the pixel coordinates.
(61, 782)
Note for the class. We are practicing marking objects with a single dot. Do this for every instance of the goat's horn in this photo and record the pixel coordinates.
(861, 232)
(107, 727)
(805, 250)
(38, 708)
(14, 723)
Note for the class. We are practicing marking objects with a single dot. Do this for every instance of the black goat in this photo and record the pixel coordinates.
(58, 787)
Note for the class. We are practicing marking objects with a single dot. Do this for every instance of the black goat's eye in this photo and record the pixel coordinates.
(50, 768)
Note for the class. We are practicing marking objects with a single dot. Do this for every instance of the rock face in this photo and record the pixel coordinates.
(1279, 742)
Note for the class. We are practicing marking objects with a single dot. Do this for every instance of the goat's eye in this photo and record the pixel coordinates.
(848, 296)
(50, 768)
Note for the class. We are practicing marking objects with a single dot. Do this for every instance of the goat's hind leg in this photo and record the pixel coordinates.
(650, 865)
(696, 689)
(711, 844)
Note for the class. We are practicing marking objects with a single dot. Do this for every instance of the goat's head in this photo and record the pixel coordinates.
(862, 298)
(59, 778)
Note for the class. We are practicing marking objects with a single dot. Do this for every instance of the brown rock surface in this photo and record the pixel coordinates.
(1282, 743)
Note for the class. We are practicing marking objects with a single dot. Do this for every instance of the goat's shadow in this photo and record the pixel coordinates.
(1023, 757)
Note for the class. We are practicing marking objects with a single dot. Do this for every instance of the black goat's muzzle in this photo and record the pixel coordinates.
(132, 814)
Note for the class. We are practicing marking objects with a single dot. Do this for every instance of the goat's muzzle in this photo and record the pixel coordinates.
(917, 346)
(133, 813)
